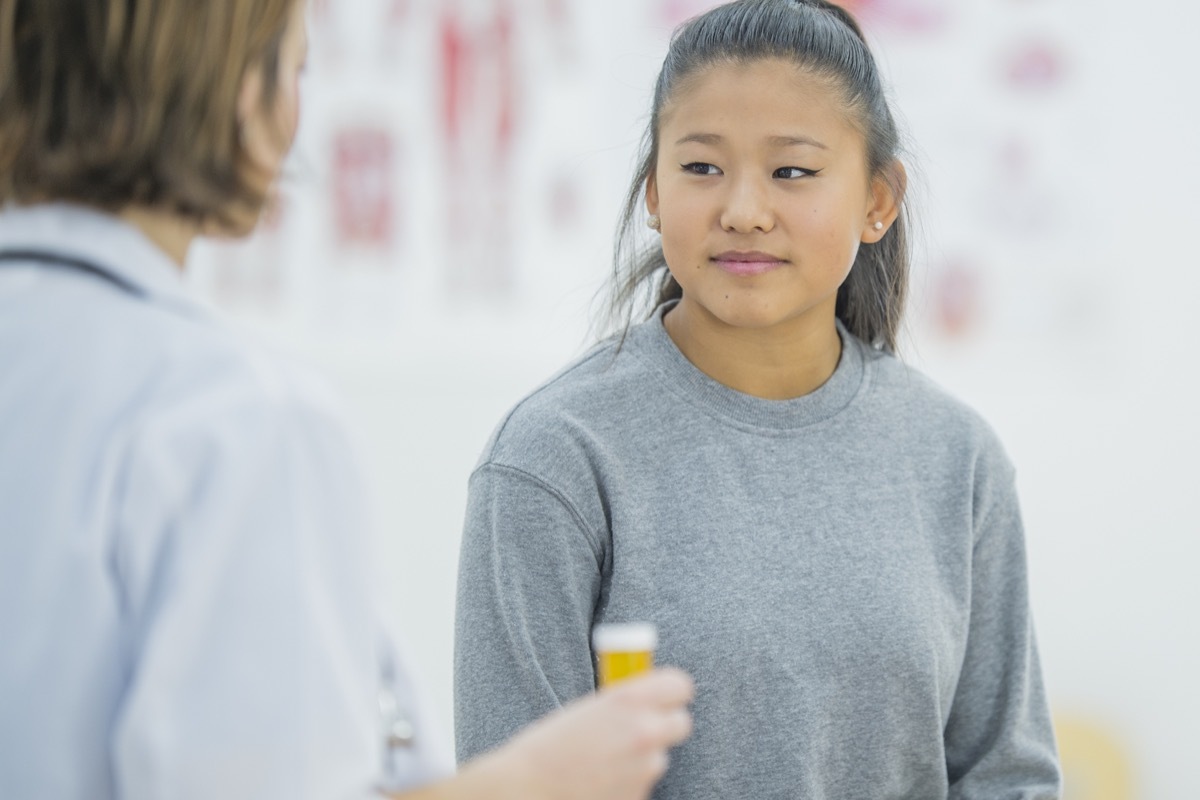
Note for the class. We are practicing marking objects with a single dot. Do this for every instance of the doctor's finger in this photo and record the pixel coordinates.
(666, 687)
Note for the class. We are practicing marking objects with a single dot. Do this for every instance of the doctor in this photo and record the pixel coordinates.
(184, 603)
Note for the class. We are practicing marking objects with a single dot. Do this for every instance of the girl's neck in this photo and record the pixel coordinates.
(778, 363)
(172, 233)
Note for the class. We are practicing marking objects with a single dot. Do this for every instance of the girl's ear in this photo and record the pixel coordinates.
(887, 192)
(250, 96)
(652, 194)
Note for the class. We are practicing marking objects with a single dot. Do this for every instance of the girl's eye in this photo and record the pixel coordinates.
(700, 168)
(794, 172)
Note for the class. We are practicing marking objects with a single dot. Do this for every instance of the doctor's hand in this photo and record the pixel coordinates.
(611, 745)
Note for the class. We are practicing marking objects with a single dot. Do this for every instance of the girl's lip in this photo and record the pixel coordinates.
(747, 263)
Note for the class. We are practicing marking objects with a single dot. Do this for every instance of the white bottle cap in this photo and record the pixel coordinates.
(628, 637)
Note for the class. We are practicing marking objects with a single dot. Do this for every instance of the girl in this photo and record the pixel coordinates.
(185, 607)
(826, 541)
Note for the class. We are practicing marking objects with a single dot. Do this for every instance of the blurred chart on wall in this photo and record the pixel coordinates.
(1034, 64)
(480, 115)
(364, 200)
(900, 16)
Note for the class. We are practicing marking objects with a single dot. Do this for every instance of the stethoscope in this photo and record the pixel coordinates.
(70, 262)
(396, 728)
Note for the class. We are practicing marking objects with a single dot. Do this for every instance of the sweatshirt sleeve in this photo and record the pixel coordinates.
(529, 579)
(999, 740)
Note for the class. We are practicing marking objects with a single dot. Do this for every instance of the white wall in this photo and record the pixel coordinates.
(1071, 207)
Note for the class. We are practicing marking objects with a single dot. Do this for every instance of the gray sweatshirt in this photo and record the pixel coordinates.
(843, 574)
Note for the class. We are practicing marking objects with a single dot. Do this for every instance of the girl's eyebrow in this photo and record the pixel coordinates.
(701, 138)
(776, 141)
(791, 141)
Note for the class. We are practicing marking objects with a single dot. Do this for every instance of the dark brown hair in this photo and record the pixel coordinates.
(825, 41)
(118, 103)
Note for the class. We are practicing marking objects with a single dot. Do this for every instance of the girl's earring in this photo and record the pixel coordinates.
(878, 225)
(654, 223)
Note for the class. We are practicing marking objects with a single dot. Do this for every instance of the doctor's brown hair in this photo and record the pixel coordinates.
(119, 103)
(824, 41)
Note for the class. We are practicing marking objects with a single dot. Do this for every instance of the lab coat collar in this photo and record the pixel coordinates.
(103, 239)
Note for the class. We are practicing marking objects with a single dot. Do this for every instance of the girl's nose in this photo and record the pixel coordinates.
(747, 208)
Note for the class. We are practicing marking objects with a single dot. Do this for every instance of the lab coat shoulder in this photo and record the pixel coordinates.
(242, 551)
(222, 430)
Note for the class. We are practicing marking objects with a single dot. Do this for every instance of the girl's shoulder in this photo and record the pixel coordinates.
(590, 393)
(914, 401)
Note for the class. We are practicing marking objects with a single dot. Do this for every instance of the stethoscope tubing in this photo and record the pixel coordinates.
(48, 258)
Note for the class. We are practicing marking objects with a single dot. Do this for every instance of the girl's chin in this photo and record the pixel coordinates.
(746, 314)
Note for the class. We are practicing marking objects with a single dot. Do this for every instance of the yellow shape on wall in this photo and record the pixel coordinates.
(1094, 763)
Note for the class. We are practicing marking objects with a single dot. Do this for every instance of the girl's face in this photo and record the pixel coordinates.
(293, 55)
(763, 194)
(267, 130)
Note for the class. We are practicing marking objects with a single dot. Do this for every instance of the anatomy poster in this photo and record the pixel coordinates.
(473, 154)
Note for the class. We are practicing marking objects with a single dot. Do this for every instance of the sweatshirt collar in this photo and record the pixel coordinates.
(650, 340)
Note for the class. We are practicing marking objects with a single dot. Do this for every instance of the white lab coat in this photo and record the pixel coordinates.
(186, 608)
